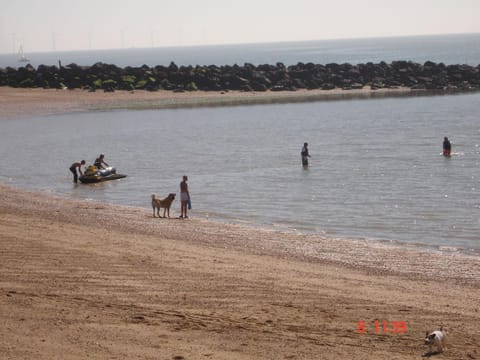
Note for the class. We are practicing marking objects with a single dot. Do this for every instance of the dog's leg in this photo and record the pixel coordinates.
(153, 207)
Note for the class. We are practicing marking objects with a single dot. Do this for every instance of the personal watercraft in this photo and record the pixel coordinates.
(93, 174)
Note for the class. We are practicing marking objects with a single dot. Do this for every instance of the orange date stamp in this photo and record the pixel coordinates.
(383, 327)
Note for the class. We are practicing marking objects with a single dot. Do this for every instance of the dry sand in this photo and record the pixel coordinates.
(86, 280)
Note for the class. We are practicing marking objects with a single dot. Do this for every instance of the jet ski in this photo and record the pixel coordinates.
(93, 174)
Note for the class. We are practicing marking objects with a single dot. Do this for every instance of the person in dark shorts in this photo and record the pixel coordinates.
(74, 167)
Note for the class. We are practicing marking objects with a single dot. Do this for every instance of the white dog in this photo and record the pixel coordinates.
(437, 338)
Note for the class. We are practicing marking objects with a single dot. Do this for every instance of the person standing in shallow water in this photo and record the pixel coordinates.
(447, 147)
(305, 155)
(74, 167)
(184, 197)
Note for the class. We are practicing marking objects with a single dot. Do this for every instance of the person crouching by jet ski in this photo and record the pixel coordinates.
(73, 169)
(99, 162)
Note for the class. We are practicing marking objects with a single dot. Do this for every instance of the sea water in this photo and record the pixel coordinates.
(449, 49)
(376, 169)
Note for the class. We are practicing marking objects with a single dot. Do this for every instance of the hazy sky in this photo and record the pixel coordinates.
(46, 25)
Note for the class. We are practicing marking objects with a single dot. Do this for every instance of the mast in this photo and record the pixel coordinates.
(21, 55)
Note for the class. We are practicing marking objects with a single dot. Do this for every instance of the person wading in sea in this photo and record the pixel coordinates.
(447, 147)
(305, 155)
(74, 167)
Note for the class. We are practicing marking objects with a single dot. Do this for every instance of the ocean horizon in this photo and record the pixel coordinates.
(449, 49)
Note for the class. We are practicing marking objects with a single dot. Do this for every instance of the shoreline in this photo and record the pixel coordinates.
(369, 256)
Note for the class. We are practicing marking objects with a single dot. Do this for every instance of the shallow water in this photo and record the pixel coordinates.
(376, 171)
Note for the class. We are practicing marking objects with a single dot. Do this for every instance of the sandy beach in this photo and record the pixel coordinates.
(88, 280)
(15, 102)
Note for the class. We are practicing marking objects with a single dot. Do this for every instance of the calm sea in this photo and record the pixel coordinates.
(449, 49)
(376, 170)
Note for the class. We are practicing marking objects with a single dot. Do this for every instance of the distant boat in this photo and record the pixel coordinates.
(21, 55)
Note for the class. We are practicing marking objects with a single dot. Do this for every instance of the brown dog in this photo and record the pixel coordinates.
(157, 204)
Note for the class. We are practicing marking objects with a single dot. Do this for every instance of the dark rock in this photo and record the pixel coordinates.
(258, 87)
(328, 86)
(357, 86)
(248, 77)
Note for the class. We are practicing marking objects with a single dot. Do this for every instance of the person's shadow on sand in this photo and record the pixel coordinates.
(431, 353)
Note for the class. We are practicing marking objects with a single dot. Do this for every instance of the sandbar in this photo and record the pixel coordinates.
(15, 102)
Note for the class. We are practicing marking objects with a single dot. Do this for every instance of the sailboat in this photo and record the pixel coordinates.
(21, 55)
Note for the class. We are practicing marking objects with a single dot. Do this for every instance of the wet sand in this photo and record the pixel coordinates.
(81, 279)
(15, 102)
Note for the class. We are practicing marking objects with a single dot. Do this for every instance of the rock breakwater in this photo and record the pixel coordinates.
(278, 77)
